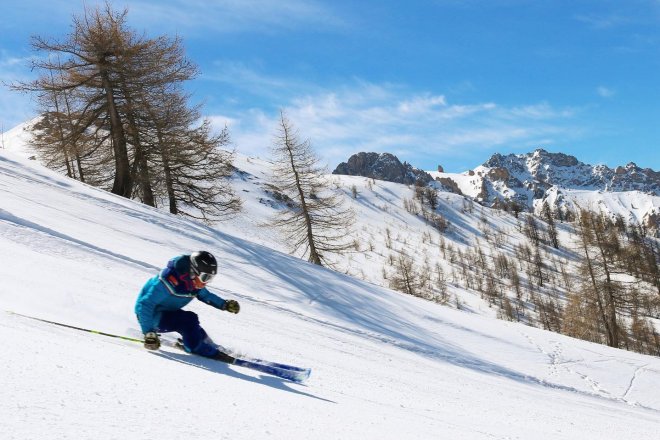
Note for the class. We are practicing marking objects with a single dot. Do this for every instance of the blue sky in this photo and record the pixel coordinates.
(433, 81)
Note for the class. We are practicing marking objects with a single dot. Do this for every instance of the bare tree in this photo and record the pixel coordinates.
(547, 214)
(406, 277)
(318, 224)
(197, 167)
(600, 287)
(531, 230)
(186, 165)
(105, 72)
(114, 99)
(95, 51)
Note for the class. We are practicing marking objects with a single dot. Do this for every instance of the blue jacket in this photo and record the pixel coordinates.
(172, 289)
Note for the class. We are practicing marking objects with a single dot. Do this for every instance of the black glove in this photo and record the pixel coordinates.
(151, 341)
(232, 306)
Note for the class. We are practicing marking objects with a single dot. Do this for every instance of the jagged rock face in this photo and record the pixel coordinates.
(542, 169)
(499, 173)
(382, 166)
(526, 179)
(449, 185)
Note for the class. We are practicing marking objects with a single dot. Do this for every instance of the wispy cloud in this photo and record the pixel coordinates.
(15, 107)
(362, 116)
(237, 15)
(602, 21)
(605, 92)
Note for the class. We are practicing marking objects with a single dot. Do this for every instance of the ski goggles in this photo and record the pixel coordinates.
(205, 277)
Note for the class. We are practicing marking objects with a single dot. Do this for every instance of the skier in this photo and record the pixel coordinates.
(158, 306)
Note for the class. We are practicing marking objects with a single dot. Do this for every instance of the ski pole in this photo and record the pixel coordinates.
(96, 332)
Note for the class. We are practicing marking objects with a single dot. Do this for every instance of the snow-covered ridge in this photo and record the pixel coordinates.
(557, 169)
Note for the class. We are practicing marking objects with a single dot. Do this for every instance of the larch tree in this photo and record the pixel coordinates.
(95, 53)
(406, 277)
(122, 93)
(318, 224)
(553, 236)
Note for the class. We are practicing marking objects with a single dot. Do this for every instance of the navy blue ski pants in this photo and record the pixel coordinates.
(186, 323)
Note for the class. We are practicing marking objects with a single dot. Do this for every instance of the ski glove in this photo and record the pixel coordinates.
(231, 306)
(151, 341)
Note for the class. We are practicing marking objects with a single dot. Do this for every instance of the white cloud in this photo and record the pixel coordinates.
(15, 107)
(603, 21)
(363, 116)
(605, 92)
(422, 104)
(236, 15)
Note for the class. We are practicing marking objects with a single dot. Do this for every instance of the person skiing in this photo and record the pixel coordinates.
(158, 306)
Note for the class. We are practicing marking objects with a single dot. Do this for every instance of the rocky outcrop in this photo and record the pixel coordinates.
(382, 166)
(449, 184)
(499, 173)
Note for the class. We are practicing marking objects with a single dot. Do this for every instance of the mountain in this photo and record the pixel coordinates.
(385, 365)
(529, 180)
(382, 166)
(566, 183)
(541, 170)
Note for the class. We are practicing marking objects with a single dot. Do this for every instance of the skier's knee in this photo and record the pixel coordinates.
(189, 319)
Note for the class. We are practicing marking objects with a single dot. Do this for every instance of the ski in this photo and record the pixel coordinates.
(289, 372)
(298, 375)
(284, 371)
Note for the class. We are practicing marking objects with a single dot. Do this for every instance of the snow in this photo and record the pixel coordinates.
(385, 365)
(469, 185)
(632, 206)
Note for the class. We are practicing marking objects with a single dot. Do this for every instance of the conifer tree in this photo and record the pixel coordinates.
(318, 225)
(546, 212)
(113, 100)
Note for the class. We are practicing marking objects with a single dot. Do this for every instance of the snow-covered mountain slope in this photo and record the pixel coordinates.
(533, 178)
(384, 365)
(383, 228)
(444, 263)
(17, 139)
(631, 206)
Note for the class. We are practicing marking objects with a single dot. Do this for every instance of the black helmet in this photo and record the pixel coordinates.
(203, 265)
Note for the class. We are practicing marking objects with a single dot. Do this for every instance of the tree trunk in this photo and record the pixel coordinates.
(169, 183)
(313, 254)
(122, 184)
(594, 283)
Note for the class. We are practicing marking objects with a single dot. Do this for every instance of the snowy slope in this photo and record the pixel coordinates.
(632, 206)
(384, 365)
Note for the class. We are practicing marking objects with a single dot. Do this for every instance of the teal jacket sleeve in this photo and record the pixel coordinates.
(211, 299)
(146, 306)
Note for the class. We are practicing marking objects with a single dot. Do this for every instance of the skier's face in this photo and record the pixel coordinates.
(198, 283)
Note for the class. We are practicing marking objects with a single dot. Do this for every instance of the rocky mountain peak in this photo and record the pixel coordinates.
(382, 166)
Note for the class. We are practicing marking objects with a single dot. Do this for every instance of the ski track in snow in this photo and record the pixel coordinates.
(598, 389)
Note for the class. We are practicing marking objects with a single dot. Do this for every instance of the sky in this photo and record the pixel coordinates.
(436, 82)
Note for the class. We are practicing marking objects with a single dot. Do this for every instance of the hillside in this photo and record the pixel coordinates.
(385, 365)
(458, 253)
